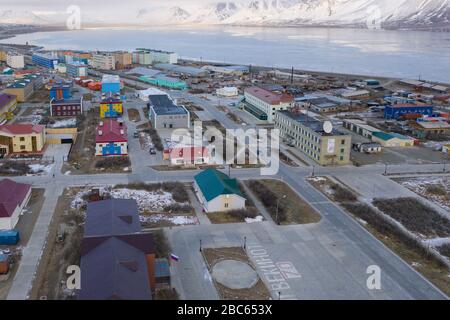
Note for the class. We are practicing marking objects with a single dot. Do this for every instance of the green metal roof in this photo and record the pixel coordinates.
(387, 136)
(214, 183)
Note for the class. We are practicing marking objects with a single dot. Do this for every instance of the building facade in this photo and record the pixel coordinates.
(111, 107)
(266, 102)
(392, 140)
(111, 84)
(189, 155)
(123, 59)
(15, 60)
(103, 61)
(360, 127)
(46, 60)
(21, 138)
(308, 135)
(398, 110)
(111, 138)
(165, 114)
(66, 107)
(77, 69)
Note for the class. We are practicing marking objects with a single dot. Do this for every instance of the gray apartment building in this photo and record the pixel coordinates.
(308, 135)
(165, 114)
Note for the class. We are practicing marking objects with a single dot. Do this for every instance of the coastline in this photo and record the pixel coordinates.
(10, 34)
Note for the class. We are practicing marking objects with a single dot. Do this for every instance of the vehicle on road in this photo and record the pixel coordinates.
(152, 151)
(136, 134)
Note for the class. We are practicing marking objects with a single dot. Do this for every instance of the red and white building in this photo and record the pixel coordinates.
(111, 138)
(189, 155)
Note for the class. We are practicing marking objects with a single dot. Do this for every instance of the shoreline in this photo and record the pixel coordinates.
(34, 29)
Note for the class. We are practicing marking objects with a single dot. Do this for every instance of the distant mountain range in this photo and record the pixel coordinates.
(392, 14)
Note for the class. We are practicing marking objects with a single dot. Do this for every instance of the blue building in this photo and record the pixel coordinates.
(111, 83)
(60, 92)
(398, 110)
(77, 69)
(47, 60)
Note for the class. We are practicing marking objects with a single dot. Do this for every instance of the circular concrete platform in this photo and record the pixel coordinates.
(234, 274)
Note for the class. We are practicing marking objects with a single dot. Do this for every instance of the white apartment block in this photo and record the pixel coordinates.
(267, 102)
(103, 61)
(15, 60)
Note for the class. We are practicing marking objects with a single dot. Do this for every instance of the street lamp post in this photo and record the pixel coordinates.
(278, 207)
(245, 243)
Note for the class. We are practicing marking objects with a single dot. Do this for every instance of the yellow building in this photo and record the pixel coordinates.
(111, 107)
(3, 55)
(21, 138)
(8, 103)
(21, 88)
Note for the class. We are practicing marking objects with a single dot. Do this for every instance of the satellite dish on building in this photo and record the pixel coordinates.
(327, 127)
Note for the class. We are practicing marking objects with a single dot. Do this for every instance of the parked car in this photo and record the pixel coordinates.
(136, 134)
(152, 151)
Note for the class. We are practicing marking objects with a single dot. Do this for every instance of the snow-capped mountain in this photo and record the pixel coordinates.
(368, 13)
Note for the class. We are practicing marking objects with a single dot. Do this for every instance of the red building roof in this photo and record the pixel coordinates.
(269, 96)
(111, 130)
(188, 153)
(12, 195)
(17, 129)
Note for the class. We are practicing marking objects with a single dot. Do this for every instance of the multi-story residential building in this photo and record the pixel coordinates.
(60, 91)
(111, 138)
(24, 87)
(164, 113)
(103, 61)
(263, 103)
(3, 54)
(123, 59)
(77, 69)
(142, 56)
(18, 138)
(47, 60)
(66, 107)
(15, 60)
(149, 56)
(310, 137)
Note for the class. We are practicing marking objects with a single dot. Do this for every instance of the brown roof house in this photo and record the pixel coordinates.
(117, 260)
(13, 198)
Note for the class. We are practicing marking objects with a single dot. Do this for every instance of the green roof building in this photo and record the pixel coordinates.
(218, 192)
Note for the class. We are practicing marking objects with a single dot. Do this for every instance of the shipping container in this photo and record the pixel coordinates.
(10, 237)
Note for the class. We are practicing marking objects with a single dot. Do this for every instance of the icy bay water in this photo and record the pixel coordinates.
(408, 54)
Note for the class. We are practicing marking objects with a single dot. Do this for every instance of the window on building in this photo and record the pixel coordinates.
(342, 142)
(341, 158)
(22, 138)
(22, 147)
(226, 205)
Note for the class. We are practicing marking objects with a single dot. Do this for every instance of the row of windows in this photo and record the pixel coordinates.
(59, 108)
(66, 113)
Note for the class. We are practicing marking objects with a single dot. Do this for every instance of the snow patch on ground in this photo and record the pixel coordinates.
(256, 219)
(317, 179)
(40, 168)
(147, 201)
(176, 220)
(66, 123)
(419, 185)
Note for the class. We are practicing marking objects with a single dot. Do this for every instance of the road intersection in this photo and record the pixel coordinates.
(325, 260)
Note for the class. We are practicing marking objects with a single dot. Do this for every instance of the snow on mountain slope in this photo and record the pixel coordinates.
(328, 12)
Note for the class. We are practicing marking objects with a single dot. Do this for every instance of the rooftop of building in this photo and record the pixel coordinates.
(73, 101)
(111, 130)
(153, 50)
(268, 96)
(311, 123)
(164, 105)
(20, 129)
(112, 217)
(110, 78)
(409, 105)
(434, 124)
(390, 135)
(47, 55)
(181, 69)
(12, 194)
(214, 183)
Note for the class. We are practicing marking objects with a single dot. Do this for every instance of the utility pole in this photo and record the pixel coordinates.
(245, 242)
(385, 169)
(312, 174)
(444, 165)
(292, 75)
(200, 245)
